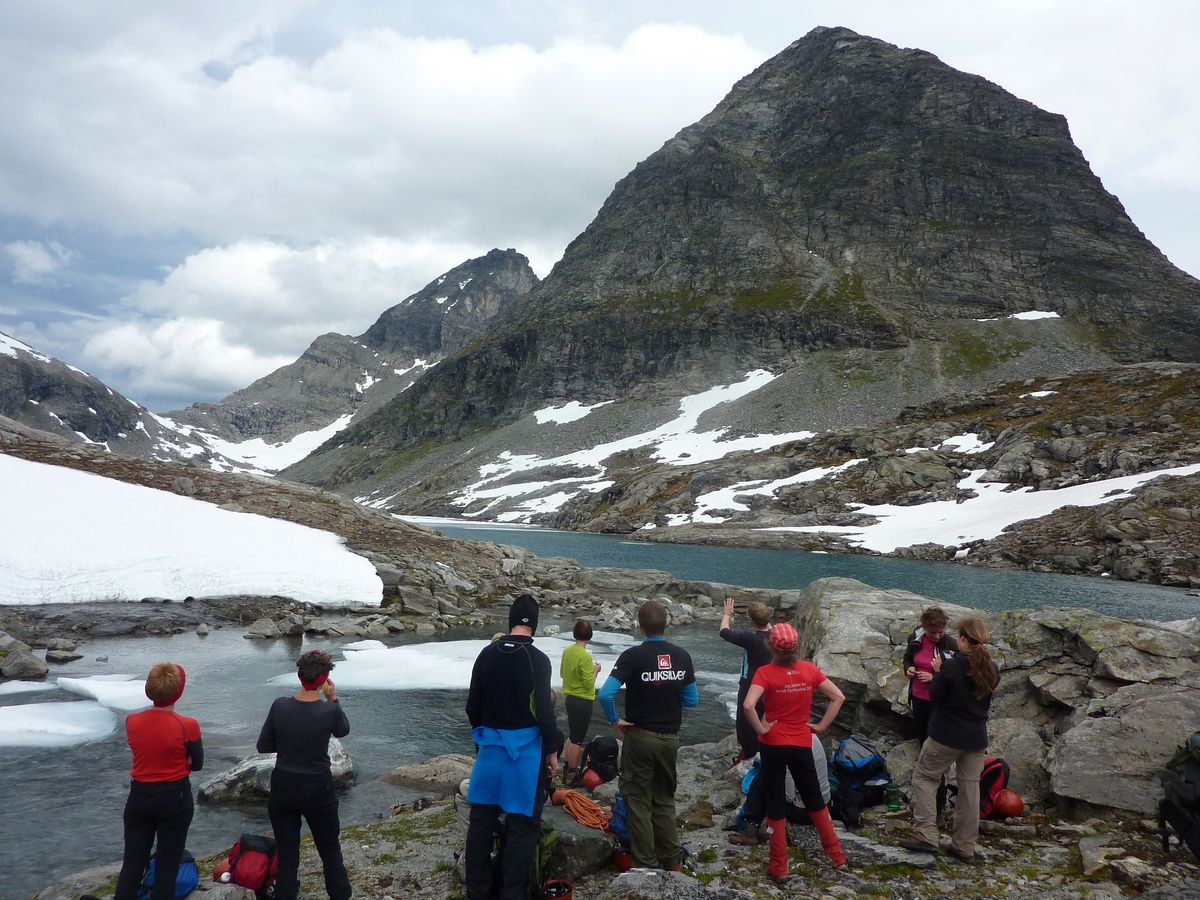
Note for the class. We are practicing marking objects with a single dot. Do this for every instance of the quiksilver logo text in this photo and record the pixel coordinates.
(668, 675)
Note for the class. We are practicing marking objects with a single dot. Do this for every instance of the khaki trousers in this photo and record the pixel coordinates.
(932, 764)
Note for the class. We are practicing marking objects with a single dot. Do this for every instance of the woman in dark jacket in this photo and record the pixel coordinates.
(166, 747)
(298, 729)
(927, 642)
(961, 691)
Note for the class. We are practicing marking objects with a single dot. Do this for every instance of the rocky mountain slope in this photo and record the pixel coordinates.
(340, 376)
(868, 226)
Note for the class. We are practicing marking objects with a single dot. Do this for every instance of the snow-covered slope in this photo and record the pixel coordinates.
(69, 536)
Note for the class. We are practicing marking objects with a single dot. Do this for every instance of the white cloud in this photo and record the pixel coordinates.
(35, 262)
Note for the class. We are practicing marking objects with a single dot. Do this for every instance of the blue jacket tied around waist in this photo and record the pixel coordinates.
(507, 768)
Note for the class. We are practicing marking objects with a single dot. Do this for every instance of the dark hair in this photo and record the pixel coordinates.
(652, 617)
(786, 658)
(933, 617)
(972, 636)
(311, 665)
(759, 613)
(583, 630)
(163, 683)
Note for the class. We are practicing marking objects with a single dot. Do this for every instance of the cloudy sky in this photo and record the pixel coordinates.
(190, 193)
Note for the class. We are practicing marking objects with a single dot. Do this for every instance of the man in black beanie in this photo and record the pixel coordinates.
(512, 721)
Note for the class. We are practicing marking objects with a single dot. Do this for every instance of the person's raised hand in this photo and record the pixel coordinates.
(328, 690)
(728, 607)
(937, 662)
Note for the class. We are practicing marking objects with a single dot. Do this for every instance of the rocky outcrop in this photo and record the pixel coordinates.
(1089, 707)
(22, 664)
(250, 778)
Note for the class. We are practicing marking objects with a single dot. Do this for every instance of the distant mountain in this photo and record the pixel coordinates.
(340, 376)
(856, 228)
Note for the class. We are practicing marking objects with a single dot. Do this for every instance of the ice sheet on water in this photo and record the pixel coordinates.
(437, 665)
(122, 692)
(24, 687)
(365, 645)
(55, 724)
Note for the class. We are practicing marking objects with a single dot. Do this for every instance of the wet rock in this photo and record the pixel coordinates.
(250, 779)
(263, 629)
(444, 773)
(8, 644)
(62, 656)
(202, 629)
(22, 664)
(61, 644)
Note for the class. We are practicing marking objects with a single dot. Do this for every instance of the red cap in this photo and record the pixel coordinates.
(784, 636)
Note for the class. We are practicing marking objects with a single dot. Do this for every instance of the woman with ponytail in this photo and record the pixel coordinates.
(297, 730)
(961, 693)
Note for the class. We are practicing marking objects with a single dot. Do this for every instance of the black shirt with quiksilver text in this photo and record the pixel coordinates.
(655, 674)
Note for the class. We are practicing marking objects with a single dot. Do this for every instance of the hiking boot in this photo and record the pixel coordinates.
(750, 837)
(918, 845)
(968, 858)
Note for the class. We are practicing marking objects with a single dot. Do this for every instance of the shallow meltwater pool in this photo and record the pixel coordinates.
(64, 761)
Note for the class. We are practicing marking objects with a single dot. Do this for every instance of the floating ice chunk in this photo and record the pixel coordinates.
(24, 687)
(123, 692)
(54, 724)
(366, 645)
(436, 665)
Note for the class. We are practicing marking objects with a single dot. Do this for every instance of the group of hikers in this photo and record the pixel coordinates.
(511, 711)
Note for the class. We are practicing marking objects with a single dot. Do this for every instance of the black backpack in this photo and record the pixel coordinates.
(1179, 809)
(600, 755)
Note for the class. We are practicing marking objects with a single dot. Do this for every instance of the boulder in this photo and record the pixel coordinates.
(250, 778)
(1111, 756)
(62, 656)
(444, 773)
(262, 629)
(1019, 743)
(61, 644)
(81, 883)
(579, 850)
(653, 884)
(291, 625)
(8, 643)
(22, 664)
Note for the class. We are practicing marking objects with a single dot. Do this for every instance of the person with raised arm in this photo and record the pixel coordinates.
(297, 730)
(756, 652)
(166, 748)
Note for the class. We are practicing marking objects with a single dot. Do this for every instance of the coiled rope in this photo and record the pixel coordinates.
(583, 809)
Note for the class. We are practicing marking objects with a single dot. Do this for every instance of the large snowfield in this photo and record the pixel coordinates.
(72, 537)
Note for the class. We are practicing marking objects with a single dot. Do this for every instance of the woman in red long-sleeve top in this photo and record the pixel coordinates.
(166, 748)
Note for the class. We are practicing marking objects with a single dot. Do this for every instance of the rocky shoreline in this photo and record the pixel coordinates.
(1074, 686)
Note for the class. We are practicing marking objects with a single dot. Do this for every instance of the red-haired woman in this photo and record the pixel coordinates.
(786, 685)
(297, 730)
(166, 747)
(961, 691)
(924, 645)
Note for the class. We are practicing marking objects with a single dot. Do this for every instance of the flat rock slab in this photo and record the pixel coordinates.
(651, 884)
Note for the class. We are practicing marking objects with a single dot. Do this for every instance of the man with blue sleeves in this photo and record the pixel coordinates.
(659, 681)
(512, 723)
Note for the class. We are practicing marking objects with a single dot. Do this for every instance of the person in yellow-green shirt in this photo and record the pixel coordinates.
(579, 693)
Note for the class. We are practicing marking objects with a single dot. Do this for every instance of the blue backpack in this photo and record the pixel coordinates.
(186, 881)
(619, 824)
(859, 766)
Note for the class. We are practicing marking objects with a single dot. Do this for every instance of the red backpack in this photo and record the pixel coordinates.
(992, 780)
(253, 862)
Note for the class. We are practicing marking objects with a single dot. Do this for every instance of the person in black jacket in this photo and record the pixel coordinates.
(757, 653)
(297, 730)
(511, 712)
(961, 691)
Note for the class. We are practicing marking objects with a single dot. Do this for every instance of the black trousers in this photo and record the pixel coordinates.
(747, 737)
(799, 761)
(755, 809)
(519, 837)
(154, 808)
(311, 796)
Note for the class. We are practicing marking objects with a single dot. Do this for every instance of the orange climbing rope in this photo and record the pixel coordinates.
(584, 810)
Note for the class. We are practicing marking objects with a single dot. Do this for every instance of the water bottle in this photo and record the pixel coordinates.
(892, 793)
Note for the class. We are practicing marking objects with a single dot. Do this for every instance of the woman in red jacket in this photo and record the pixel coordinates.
(785, 685)
(166, 748)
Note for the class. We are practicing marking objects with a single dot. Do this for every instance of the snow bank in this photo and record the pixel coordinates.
(257, 454)
(54, 724)
(983, 517)
(72, 537)
(570, 412)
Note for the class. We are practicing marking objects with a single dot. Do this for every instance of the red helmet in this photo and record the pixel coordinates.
(591, 780)
(1008, 804)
